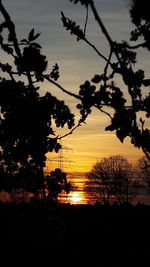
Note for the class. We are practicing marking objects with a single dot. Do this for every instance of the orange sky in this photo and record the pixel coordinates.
(88, 145)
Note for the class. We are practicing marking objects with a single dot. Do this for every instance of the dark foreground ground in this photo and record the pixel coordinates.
(61, 235)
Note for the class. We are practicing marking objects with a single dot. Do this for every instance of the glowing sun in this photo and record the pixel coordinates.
(75, 198)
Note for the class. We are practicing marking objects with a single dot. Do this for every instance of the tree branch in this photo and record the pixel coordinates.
(61, 88)
(86, 20)
(102, 27)
(107, 65)
(11, 28)
(98, 19)
(13, 37)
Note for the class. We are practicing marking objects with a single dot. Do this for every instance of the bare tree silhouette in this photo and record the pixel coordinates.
(112, 179)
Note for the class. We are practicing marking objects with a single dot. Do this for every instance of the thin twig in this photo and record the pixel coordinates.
(71, 132)
(106, 113)
(137, 46)
(61, 88)
(107, 65)
(12, 77)
(97, 51)
(103, 111)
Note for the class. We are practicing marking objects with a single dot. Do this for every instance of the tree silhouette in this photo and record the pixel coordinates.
(26, 132)
(57, 182)
(143, 166)
(128, 118)
(112, 179)
(26, 117)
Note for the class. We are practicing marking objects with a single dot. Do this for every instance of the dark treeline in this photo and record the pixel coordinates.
(84, 234)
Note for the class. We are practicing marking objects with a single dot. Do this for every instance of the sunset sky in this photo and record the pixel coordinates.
(78, 63)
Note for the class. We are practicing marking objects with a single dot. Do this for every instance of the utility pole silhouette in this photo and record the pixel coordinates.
(60, 159)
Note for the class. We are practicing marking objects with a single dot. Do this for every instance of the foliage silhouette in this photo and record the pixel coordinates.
(56, 183)
(143, 166)
(26, 117)
(128, 118)
(112, 180)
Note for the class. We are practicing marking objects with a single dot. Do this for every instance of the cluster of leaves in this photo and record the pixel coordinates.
(57, 182)
(109, 95)
(127, 56)
(26, 125)
(27, 179)
(21, 179)
(54, 74)
(31, 60)
(31, 38)
(141, 18)
(72, 27)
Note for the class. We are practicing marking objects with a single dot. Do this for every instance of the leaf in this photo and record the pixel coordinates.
(121, 134)
(31, 35)
(24, 41)
(97, 78)
(36, 36)
(110, 128)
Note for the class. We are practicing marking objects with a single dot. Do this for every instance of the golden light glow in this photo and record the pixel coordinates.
(87, 150)
(89, 144)
(75, 197)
